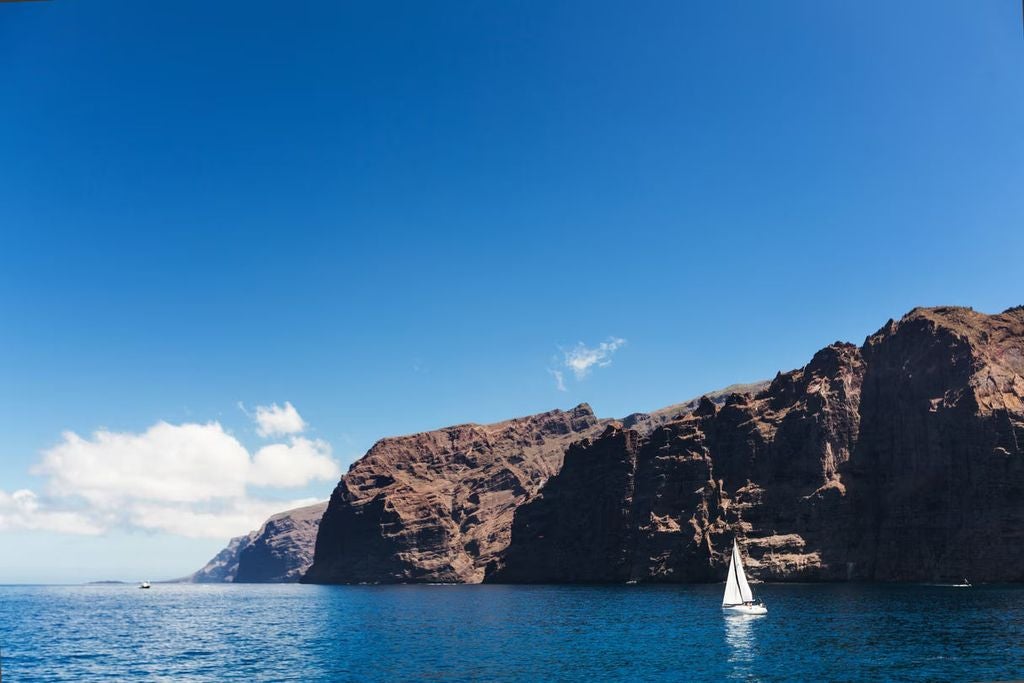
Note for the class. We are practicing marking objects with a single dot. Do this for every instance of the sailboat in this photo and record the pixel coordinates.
(738, 598)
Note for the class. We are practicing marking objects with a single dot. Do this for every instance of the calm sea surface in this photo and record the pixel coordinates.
(503, 633)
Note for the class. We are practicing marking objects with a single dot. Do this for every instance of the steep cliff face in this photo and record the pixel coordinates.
(438, 506)
(898, 460)
(589, 535)
(938, 474)
(755, 463)
(280, 551)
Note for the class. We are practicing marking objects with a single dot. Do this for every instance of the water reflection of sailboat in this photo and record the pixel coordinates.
(740, 637)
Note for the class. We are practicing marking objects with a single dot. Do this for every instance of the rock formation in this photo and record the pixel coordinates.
(645, 422)
(438, 506)
(900, 460)
(280, 551)
(938, 474)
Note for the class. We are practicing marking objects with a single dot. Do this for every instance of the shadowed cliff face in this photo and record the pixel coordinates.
(280, 551)
(589, 535)
(938, 474)
(438, 506)
(898, 460)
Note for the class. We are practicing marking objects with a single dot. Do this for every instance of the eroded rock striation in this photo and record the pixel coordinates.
(280, 551)
(899, 460)
(437, 506)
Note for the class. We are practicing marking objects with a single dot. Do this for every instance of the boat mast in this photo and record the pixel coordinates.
(735, 560)
(732, 572)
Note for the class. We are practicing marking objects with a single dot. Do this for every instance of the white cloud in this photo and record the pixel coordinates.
(559, 379)
(21, 511)
(293, 464)
(275, 420)
(223, 521)
(188, 479)
(172, 463)
(581, 358)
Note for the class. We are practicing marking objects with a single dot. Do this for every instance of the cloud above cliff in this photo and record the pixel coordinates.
(582, 359)
(223, 521)
(559, 379)
(275, 420)
(293, 464)
(188, 479)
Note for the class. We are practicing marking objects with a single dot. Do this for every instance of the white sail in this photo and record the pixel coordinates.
(732, 587)
(737, 590)
(741, 576)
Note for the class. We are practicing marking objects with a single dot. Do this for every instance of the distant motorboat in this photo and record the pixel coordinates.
(144, 584)
(964, 584)
(738, 598)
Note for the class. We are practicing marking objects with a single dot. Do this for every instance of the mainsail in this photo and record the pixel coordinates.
(737, 590)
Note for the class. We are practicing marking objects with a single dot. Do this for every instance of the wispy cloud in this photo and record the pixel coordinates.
(186, 479)
(581, 359)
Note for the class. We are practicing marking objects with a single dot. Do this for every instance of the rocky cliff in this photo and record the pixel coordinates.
(280, 551)
(438, 506)
(900, 459)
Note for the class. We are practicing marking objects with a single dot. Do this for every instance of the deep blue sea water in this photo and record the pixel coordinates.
(508, 633)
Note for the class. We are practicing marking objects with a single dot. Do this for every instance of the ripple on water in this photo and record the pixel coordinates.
(506, 633)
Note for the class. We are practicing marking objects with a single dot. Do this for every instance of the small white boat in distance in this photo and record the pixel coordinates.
(739, 599)
(144, 584)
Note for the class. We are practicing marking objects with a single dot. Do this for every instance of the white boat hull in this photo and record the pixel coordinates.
(745, 609)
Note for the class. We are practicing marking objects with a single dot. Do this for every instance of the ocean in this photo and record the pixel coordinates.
(508, 633)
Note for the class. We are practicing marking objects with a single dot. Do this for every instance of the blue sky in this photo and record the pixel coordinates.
(398, 216)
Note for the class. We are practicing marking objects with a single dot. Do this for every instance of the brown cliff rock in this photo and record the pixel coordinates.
(938, 473)
(437, 506)
(898, 460)
(645, 422)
